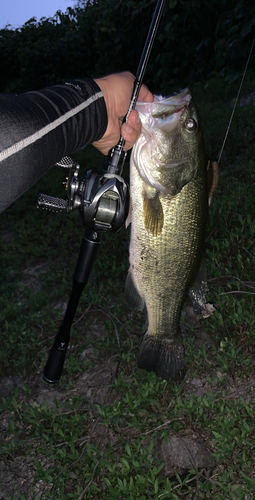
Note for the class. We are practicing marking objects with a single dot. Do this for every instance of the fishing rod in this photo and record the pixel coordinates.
(116, 156)
(103, 202)
(236, 101)
(213, 165)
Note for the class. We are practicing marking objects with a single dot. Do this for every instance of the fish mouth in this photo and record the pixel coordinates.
(174, 102)
(165, 106)
(162, 115)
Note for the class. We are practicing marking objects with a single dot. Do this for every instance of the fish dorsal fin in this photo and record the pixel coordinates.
(153, 214)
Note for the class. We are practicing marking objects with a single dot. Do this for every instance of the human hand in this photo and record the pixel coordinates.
(117, 89)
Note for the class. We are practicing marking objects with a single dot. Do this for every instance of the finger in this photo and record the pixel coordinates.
(130, 136)
(131, 130)
(145, 94)
(134, 121)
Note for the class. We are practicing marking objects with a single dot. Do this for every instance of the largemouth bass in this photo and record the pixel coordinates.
(168, 186)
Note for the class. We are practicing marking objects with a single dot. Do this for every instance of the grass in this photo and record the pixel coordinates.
(99, 433)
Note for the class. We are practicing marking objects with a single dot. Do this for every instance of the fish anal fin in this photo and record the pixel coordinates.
(133, 298)
(153, 214)
(198, 290)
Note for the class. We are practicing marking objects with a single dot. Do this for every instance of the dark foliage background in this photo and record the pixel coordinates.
(196, 38)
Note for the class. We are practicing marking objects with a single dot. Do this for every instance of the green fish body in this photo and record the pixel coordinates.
(168, 186)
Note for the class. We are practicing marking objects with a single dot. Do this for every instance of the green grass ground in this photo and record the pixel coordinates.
(108, 430)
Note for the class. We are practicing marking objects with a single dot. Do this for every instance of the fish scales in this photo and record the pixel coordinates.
(164, 261)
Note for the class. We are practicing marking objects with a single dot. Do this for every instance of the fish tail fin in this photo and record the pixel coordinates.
(163, 357)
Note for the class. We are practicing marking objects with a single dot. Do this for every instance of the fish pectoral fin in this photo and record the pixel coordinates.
(133, 298)
(153, 214)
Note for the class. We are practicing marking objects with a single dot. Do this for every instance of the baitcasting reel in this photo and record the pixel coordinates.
(102, 200)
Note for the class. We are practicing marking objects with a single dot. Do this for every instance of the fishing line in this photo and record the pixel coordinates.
(237, 97)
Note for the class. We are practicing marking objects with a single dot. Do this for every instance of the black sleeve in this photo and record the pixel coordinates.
(38, 128)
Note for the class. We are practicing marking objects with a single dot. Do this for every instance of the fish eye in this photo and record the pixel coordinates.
(191, 125)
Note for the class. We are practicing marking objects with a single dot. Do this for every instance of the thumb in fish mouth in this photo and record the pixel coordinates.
(153, 214)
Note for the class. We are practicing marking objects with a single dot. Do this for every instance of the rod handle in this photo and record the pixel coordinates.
(54, 366)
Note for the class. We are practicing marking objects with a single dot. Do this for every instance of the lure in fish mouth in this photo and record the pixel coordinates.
(168, 186)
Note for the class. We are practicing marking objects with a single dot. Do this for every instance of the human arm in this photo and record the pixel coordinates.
(38, 128)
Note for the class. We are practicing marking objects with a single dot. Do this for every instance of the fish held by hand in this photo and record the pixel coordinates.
(169, 197)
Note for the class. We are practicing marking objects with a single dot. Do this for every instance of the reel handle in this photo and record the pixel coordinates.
(52, 203)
